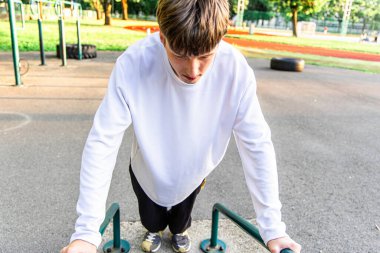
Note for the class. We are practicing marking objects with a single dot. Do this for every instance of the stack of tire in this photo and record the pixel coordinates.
(88, 51)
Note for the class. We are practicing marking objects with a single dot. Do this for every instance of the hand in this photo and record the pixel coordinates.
(79, 246)
(278, 244)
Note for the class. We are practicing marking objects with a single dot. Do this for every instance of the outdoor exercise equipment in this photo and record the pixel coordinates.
(36, 7)
(59, 8)
(116, 245)
(208, 246)
(15, 51)
(21, 66)
(214, 245)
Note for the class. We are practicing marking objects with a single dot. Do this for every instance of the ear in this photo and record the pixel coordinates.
(162, 38)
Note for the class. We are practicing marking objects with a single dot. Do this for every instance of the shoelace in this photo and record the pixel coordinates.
(151, 237)
(180, 240)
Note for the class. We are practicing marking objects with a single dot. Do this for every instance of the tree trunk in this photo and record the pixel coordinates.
(41, 8)
(97, 7)
(364, 25)
(124, 6)
(294, 22)
(107, 7)
(98, 13)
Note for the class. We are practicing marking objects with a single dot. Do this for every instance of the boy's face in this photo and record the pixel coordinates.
(188, 68)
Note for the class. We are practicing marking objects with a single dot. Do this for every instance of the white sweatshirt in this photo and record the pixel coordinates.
(181, 134)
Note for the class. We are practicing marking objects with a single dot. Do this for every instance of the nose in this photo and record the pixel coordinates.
(193, 67)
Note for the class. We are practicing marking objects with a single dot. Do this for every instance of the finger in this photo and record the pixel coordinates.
(275, 249)
(63, 250)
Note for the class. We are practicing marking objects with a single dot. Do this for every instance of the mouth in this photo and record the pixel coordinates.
(190, 78)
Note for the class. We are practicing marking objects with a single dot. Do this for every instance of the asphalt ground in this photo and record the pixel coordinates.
(325, 127)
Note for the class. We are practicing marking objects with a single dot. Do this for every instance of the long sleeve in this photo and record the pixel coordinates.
(99, 157)
(256, 150)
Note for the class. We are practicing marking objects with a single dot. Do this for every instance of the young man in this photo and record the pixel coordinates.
(185, 91)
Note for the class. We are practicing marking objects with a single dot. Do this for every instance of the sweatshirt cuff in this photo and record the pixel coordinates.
(273, 233)
(93, 238)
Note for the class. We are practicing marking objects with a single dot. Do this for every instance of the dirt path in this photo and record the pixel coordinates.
(284, 47)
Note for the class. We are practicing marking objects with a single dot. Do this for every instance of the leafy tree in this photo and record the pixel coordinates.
(366, 11)
(260, 5)
(148, 7)
(293, 7)
(234, 6)
(97, 6)
(333, 9)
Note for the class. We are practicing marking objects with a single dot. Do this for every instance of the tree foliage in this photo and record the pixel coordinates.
(291, 8)
(234, 6)
(366, 11)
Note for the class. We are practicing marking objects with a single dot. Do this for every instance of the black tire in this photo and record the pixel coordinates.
(88, 51)
(287, 64)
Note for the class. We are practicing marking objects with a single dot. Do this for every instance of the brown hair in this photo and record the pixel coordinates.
(193, 27)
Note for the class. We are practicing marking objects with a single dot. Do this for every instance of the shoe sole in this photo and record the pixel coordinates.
(159, 246)
(178, 251)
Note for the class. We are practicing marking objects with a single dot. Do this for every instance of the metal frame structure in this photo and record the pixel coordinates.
(214, 245)
(59, 7)
(116, 245)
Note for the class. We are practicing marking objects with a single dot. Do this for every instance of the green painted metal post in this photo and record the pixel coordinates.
(59, 6)
(42, 52)
(79, 43)
(15, 53)
(116, 229)
(214, 228)
(62, 42)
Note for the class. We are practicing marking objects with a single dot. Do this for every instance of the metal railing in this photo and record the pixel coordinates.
(215, 245)
(116, 245)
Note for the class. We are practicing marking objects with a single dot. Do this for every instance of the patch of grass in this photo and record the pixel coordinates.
(113, 38)
(364, 66)
(330, 44)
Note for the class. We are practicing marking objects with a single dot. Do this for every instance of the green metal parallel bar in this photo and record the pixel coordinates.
(116, 245)
(15, 52)
(111, 212)
(245, 225)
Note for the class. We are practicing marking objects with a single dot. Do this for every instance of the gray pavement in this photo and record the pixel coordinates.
(325, 127)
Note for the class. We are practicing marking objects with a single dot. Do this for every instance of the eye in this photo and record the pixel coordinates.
(180, 56)
(204, 57)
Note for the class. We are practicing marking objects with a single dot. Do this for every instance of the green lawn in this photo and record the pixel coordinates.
(113, 37)
(331, 44)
